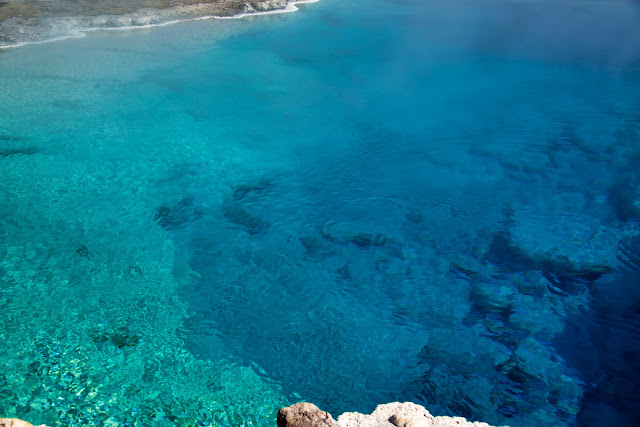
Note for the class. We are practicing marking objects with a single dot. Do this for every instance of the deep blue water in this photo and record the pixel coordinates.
(353, 204)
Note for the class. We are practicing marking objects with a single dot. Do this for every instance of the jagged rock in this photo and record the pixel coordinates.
(304, 415)
(14, 422)
(269, 5)
(263, 6)
(394, 414)
(398, 414)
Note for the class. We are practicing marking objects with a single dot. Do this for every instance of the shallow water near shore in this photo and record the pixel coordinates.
(349, 205)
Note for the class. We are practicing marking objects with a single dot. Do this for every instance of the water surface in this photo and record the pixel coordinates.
(353, 204)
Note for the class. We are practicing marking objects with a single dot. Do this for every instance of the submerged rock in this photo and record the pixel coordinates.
(179, 214)
(560, 267)
(624, 193)
(135, 271)
(236, 214)
(624, 197)
(394, 414)
(630, 252)
(25, 151)
(11, 138)
(258, 189)
(365, 240)
(83, 252)
(120, 337)
(345, 233)
(245, 207)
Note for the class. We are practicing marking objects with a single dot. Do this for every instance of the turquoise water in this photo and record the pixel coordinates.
(356, 203)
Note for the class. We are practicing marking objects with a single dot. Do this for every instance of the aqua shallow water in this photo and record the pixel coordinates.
(352, 204)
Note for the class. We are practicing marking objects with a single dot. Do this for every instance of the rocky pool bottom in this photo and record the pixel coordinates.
(219, 311)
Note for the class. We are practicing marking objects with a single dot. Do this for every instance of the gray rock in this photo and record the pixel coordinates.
(264, 6)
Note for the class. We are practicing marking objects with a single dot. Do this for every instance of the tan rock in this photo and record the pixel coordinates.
(403, 421)
(14, 422)
(393, 414)
(405, 414)
(304, 415)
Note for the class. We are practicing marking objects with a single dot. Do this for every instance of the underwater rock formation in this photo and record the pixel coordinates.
(27, 151)
(394, 414)
(178, 214)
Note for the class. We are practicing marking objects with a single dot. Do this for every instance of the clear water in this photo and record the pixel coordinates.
(353, 204)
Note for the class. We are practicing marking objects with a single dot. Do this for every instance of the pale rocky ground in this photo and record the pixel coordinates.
(394, 414)
(40, 20)
(14, 422)
(38, 9)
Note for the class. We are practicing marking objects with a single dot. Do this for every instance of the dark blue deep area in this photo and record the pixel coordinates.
(457, 225)
(435, 202)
